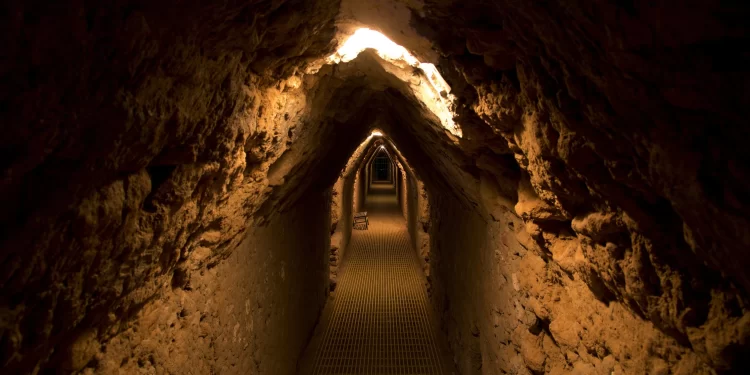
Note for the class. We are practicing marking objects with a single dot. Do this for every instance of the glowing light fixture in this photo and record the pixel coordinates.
(437, 94)
(376, 134)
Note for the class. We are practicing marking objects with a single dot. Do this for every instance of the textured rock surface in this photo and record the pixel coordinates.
(593, 218)
(614, 116)
(614, 187)
(228, 320)
(140, 142)
(415, 206)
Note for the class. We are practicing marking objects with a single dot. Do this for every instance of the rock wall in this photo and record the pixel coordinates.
(403, 191)
(145, 145)
(624, 120)
(251, 314)
(507, 308)
(343, 206)
(460, 259)
(415, 210)
(137, 135)
(412, 207)
(422, 241)
(358, 203)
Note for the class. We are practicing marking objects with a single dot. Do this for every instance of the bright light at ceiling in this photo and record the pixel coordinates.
(376, 134)
(439, 91)
(366, 38)
(382, 148)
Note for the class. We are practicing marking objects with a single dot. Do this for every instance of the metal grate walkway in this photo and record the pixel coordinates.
(379, 321)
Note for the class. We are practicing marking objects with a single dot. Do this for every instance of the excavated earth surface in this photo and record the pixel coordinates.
(167, 173)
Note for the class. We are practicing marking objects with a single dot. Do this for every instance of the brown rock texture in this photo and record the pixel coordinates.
(170, 189)
(619, 186)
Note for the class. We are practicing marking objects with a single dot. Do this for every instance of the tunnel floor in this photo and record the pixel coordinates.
(379, 321)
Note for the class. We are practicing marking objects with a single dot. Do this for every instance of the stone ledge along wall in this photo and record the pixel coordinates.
(592, 219)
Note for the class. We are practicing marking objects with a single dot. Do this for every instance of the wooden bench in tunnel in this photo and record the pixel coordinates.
(360, 220)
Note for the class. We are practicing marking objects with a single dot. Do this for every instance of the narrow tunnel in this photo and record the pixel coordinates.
(549, 187)
(379, 319)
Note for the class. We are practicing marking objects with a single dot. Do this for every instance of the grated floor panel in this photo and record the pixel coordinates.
(379, 321)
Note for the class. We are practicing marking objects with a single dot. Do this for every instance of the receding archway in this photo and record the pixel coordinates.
(379, 316)
(166, 180)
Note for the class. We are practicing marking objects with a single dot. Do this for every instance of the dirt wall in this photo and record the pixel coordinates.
(412, 208)
(507, 306)
(252, 313)
(137, 137)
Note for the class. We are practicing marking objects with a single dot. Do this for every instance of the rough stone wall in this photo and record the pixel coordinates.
(137, 134)
(368, 173)
(403, 193)
(414, 204)
(339, 233)
(505, 309)
(423, 229)
(359, 197)
(412, 208)
(625, 121)
(418, 220)
(458, 280)
(400, 189)
(252, 313)
(343, 205)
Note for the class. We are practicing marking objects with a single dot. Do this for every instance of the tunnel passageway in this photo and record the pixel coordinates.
(568, 187)
(379, 321)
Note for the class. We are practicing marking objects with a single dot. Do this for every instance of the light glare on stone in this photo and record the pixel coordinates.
(365, 38)
(438, 92)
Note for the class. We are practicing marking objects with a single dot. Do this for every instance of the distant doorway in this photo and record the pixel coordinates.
(382, 168)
